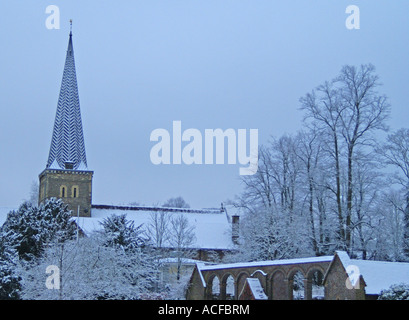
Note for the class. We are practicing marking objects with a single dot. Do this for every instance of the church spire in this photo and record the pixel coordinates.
(67, 149)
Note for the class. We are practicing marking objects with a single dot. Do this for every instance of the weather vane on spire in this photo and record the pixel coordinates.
(70, 25)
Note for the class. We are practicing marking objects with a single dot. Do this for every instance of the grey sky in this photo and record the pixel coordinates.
(211, 64)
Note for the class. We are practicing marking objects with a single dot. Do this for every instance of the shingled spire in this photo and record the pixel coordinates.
(67, 149)
(66, 175)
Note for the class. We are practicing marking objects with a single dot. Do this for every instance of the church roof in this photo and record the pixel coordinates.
(378, 275)
(212, 228)
(67, 149)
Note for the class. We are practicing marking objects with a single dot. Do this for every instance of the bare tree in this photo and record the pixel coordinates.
(158, 228)
(272, 202)
(181, 239)
(310, 153)
(396, 153)
(348, 111)
(34, 194)
(258, 188)
(177, 202)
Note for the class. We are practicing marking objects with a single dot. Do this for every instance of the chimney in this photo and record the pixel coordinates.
(235, 229)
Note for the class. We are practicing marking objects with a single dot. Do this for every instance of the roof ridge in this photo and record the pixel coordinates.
(155, 208)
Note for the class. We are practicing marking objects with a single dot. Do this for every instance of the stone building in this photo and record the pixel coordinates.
(66, 174)
(330, 277)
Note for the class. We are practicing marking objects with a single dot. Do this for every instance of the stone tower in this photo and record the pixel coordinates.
(66, 175)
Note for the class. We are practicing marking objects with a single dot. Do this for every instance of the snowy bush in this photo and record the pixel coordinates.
(9, 279)
(395, 292)
(29, 229)
(25, 235)
(120, 232)
(89, 270)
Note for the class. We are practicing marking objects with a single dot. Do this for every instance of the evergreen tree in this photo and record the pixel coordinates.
(121, 232)
(29, 229)
(395, 292)
(138, 264)
(9, 281)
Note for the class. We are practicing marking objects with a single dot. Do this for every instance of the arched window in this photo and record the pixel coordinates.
(297, 286)
(63, 191)
(75, 192)
(316, 286)
(230, 288)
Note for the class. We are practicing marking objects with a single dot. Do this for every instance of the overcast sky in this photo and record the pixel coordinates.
(210, 64)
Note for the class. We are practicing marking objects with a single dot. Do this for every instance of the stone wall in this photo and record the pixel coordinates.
(72, 186)
(276, 279)
(338, 286)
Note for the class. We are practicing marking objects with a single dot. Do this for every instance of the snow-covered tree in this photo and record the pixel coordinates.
(34, 192)
(268, 235)
(114, 263)
(181, 239)
(121, 232)
(395, 152)
(9, 279)
(25, 235)
(29, 229)
(348, 112)
(158, 228)
(395, 292)
(88, 270)
(273, 202)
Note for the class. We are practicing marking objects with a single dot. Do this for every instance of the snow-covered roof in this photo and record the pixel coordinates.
(378, 275)
(184, 261)
(267, 263)
(232, 210)
(211, 226)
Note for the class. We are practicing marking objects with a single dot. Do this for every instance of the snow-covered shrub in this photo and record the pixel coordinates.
(29, 229)
(121, 232)
(89, 270)
(24, 237)
(9, 279)
(395, 292)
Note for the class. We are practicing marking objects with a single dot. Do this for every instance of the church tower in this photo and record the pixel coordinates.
(66, 175)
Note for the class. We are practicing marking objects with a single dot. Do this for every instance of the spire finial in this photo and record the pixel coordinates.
(70, 26)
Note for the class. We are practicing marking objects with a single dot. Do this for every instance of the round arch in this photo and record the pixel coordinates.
(296, 283)
(213, 287)
(240, 282)
(277, 285)
(228, 286)
(314, 281)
